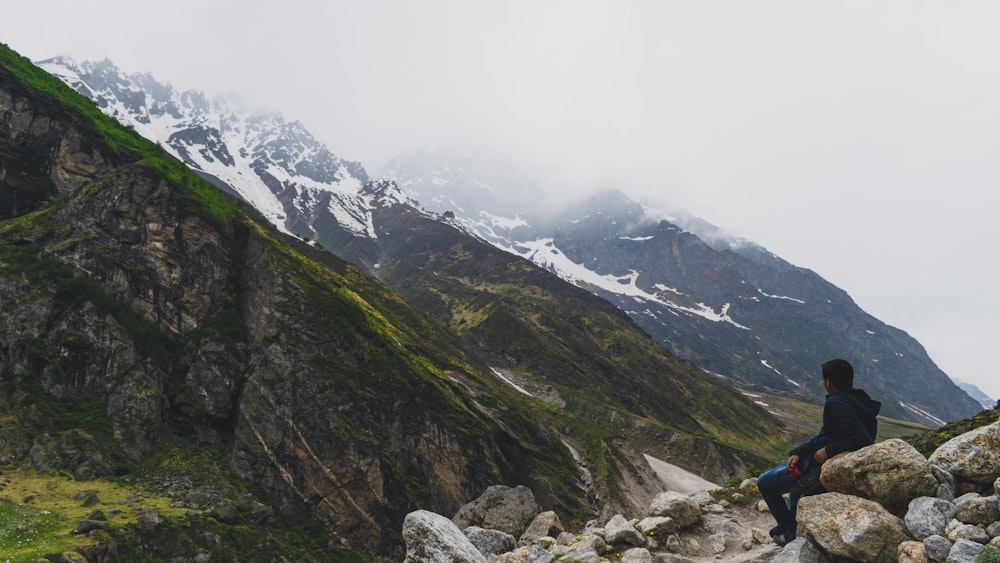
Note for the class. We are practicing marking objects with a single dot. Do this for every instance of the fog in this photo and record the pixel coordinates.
(856, 139)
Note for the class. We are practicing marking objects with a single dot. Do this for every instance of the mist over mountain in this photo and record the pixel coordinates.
(728, 305)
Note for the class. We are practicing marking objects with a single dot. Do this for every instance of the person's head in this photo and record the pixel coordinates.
(839, 373)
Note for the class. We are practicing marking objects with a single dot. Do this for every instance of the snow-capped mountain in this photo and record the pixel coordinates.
(277, 166)
(729, 306)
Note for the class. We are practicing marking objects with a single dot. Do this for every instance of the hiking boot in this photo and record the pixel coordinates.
(781, 539)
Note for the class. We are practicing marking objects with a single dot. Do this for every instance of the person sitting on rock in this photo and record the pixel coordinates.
(849, 423)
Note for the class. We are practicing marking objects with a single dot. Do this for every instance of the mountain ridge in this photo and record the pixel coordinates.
(680, 278)
(144, 308)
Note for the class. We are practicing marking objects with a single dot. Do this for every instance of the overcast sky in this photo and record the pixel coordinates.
(857, 139)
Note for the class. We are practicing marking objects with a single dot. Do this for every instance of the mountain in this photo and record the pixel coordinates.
(150, 323)
(976, 393)
(730, 306)
(726, 304)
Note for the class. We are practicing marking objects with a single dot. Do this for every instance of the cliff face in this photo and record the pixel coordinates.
(122, 288)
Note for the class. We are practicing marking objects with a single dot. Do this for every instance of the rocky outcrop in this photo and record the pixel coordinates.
(973, 456)
(852, 527)
(890, 473)
(834, 526)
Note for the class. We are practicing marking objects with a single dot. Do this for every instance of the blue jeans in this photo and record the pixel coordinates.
(773, 484)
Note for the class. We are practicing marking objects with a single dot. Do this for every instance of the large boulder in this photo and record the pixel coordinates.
(545, 524)
(682, 508)
(852, 527)
(490, 542)
(891, 473)
(499, 508)
(432, 538)
(928, 516)
(618, 531)
(973, 456)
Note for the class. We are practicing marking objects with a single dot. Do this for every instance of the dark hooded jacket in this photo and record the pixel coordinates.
(849, 424)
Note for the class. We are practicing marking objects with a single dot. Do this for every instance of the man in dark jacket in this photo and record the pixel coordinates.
(849, 423)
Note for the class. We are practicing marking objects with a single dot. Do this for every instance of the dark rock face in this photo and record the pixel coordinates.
(136, 299)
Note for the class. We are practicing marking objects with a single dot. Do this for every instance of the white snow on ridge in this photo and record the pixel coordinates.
(770, 367)
(781, 297)
(503, 222)
(637, 239)
(544, 253)
(500, 374)
(922, 412)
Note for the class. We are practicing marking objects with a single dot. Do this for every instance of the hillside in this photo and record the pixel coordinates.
(149, 320)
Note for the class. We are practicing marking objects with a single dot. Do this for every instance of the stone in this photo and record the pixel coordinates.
(912, 552)
(619, 531)
(499, 508)
(583, 556)
(964, 551)
(800, 550)
(432, 538)
(891, 473)
(682, 508)
(981, 510)
(656, 526)
(852, 527)
(937, 547)
(87, 526)
(637, 555)
(149, 519)
(947, 485)
(545, 524)
(969, 532)
(973, 456)
(928, 516)
(490, 542)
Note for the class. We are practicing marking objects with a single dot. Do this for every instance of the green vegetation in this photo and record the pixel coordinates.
(989, 554)
(927, 442)
(38, 514)
(125, 143)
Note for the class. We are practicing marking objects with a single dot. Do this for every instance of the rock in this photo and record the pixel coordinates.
(912, 552)
(800, 550)
(947, 485)
(583, 556)
(937, 547)
(748, 483)
(224, 512)
(545, 524)
(150, 519)
(717, 542)
(973, 456)
(731, 529)
(519, 555)
(851, 527)
(702, 498)
(637, 555)
(87, 526)
(618, 531)
(89, 499)
(499, 508)
(656, 526)
(928, 516)
(969, 532)
(682, 508)
(981, 510)
(964, 551)
(490, 542)
(96, 514)
(432, 538)
(890, 473)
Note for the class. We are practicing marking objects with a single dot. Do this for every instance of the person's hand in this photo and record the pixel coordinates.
(792, 461)
(820, 455)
